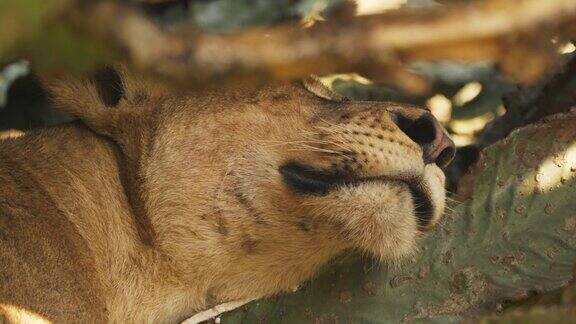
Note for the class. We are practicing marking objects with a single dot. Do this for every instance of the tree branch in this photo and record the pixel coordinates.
(515, 33)
(530, 104)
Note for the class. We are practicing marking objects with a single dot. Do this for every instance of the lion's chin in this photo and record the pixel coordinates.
(391, 233)
(397, 239)
(382, 217)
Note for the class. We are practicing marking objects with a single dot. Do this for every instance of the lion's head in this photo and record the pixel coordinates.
(249, 192)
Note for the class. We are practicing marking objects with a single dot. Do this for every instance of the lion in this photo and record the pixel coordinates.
(156, 204)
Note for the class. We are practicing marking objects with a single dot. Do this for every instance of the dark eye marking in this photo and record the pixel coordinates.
(307, 180)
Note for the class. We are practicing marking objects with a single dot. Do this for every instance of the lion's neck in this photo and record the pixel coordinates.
(80, 174)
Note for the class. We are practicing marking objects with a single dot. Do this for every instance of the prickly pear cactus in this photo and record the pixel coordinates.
(515, 235)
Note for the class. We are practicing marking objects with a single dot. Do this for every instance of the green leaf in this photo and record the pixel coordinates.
(61, 47)
(21, 19)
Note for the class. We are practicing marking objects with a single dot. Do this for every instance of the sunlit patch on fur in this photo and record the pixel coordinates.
(15, 314)
(11, 133)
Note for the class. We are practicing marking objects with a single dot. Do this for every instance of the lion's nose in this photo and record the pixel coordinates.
(425, 130)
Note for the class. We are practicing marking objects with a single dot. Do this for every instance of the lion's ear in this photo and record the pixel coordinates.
(314, 85)
(91, 100)
(108, 102)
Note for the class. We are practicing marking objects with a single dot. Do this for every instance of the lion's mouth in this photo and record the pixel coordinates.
(305, 179)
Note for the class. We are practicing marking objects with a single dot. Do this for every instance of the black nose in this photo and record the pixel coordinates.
(425, 130)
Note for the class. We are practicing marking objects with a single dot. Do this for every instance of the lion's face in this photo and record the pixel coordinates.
(283, 163)
(256, 190)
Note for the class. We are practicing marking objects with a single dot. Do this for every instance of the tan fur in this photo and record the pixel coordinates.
(169, 204)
